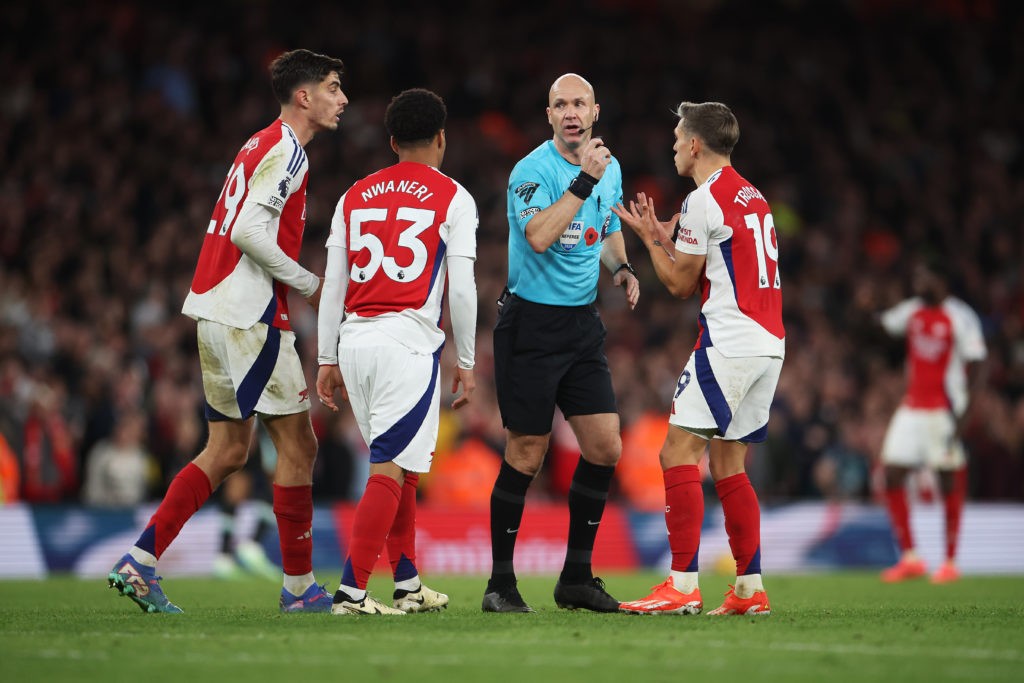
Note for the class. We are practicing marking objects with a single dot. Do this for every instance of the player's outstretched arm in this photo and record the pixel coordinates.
(679, 272)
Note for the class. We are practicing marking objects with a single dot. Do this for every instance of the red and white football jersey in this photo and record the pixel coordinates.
(941, 340)
(228, 286)
(729, 221)
(397, 226)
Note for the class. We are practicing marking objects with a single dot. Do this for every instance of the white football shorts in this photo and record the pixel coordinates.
(923, 437)
(395, 394)
(250, 371)
(728, 398)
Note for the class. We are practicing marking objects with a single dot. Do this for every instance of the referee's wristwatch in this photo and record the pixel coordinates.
(626, 266)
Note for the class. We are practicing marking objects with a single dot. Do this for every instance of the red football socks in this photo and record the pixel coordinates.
(742, 522)
(402, 539)
(954, 504)
(293, 507)
(375, 515)
(186, 494)
(684, 514)
(899, 515)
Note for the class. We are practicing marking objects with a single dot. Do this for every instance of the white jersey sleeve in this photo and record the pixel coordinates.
(332, 299)
(896, 319)
(462, 223)
(278, 175)
(969, 340)
(701, 224)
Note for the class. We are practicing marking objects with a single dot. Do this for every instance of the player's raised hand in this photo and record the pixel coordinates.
(595, 158)
(328, 378)
(468, 381)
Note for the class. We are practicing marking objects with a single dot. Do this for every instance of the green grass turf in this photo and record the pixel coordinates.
(835, 627)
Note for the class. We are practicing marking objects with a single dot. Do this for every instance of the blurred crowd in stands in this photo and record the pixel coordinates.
(876, 130)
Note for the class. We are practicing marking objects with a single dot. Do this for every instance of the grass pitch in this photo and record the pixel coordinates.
(835, 627)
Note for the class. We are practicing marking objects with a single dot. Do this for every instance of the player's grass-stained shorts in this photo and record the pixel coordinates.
(256, 370)
(923, 437)
(727, 398)
(395, 394)
(546, 356)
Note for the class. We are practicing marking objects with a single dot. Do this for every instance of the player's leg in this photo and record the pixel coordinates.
(395, 396)
(946, 455)
(295, 443)
(684, 514)
(743, 526)
(738, 394)
(411, 594)
(902, 451)
(134, 574)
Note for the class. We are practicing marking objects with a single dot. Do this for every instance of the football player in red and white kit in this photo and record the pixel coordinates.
(397, 236)
(944, 346)
(725, 248)
(246, 347)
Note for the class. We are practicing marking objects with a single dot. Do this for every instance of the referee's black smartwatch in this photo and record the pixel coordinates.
(626, 266)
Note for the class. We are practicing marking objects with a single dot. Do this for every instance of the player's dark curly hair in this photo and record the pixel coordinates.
(712, 122)
(415, 116)
(298, 67)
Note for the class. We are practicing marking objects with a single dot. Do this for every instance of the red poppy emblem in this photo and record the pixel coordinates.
(590, 236)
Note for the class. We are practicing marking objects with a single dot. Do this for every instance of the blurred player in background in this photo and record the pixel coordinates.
(246, 346)
(397, 236)
(726, 249)
(241, 549)
(944, 346)
(549, 340)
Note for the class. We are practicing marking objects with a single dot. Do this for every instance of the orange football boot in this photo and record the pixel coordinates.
(665, 599)
(756, 604)
(904, 570)
(946, 573)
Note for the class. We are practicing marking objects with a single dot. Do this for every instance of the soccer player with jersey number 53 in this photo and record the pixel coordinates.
(398, 236)
(726, 249)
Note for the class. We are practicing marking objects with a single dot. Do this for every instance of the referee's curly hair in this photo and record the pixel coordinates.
(415, 116)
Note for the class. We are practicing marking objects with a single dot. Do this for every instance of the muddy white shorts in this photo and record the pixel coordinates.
(728, 398)
(923, 437)
(250, 371)
(395, 394)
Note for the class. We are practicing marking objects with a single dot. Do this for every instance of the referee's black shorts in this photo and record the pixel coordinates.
(546, 356)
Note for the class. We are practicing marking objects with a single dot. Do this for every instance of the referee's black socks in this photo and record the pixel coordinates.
(587, 495)
(507, 500)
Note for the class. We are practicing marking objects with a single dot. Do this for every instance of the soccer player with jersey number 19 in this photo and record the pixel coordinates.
(725, 248)
(398, 236)
(246, 347)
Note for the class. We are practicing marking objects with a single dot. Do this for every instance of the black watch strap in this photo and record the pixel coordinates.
(625, 266)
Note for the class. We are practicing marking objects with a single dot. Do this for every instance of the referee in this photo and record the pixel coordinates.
(549, 340)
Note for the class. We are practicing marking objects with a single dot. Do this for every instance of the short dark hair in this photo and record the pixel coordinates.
(712, 122)
(415, 116)
(298, 67)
